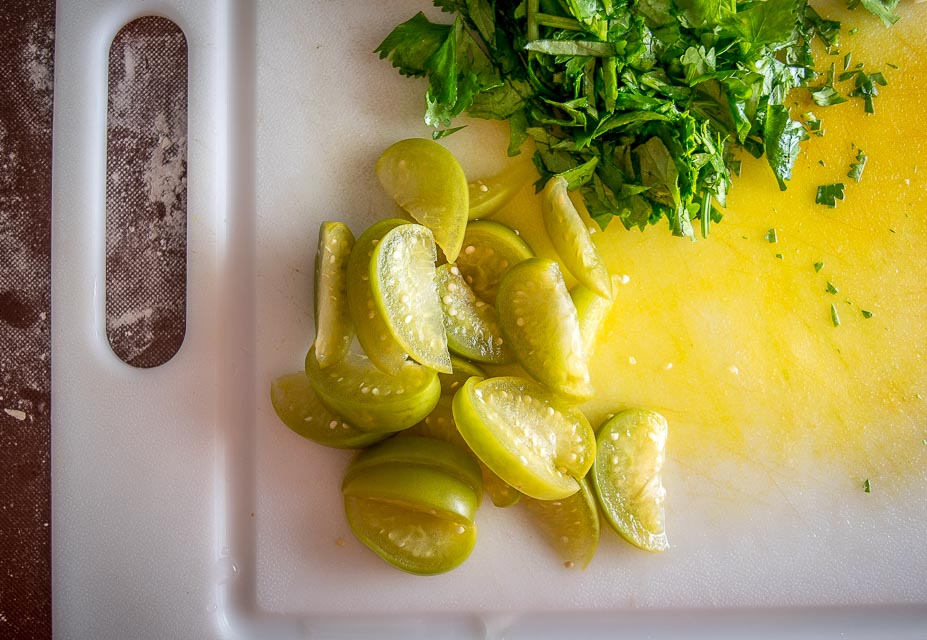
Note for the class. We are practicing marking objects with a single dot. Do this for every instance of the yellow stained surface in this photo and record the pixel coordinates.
(736, 346)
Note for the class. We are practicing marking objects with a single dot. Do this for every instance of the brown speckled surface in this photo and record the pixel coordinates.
(26, 72)
(146, 192)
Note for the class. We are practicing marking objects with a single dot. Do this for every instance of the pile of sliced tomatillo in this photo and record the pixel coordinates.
(412, 318)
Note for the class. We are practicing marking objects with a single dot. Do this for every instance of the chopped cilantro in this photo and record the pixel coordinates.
(818, 266)
(856, 168)
(831, 289)
(813, 124)
(866, 86)
(834, 316)
(642, 104)
(772, 237)
(828, 194)
(867, 487)
(866, 314)
(826, 94)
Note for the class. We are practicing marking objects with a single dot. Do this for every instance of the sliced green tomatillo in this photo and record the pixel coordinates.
(298, 406)
(402, 274)
(471, 324)
(489, 250)
(627, 476)
(334, 329)
(526, 435)
(540, 326)
(370, 399)
(570, 525)
(409, 539)
(571, 238)
(426, 180)
(373, 332)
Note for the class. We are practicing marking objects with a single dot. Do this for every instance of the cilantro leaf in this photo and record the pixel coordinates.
(411, 45)
(867, 87)
(856, 168)
(828, 194)
(783, 136)
(771, 23)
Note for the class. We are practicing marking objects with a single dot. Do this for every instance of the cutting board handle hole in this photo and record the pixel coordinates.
(146, 192)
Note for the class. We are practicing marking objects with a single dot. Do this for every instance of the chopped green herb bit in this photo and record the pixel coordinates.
(856, 168)
(826, 94)
(780, 256)
(831, 289)
(822, 163)
(847, 60)
(866, 86)
(828, 194)
(834, 316)
(867, 487)
(854, 31)
(892, 66)
(818, 266)
(866, 314)
(772, 237)
(812, 122)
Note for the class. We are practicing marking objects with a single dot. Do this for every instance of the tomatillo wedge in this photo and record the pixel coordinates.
(489, 250)
(570, 525)
(334, 329)
(409, 539)
(540, 326)
(532, 440)
(571, 238)
(471, 325)
(627, 476)
(373, 332)
(402, 276)
(426, 180)
(297, 405)
(370, 399)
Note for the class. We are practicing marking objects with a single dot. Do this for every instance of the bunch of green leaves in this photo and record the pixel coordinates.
(639, 104)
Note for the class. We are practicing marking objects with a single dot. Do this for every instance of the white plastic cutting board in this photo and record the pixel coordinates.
(183, 509)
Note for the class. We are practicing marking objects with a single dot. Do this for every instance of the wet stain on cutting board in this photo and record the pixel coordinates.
(734, 339)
